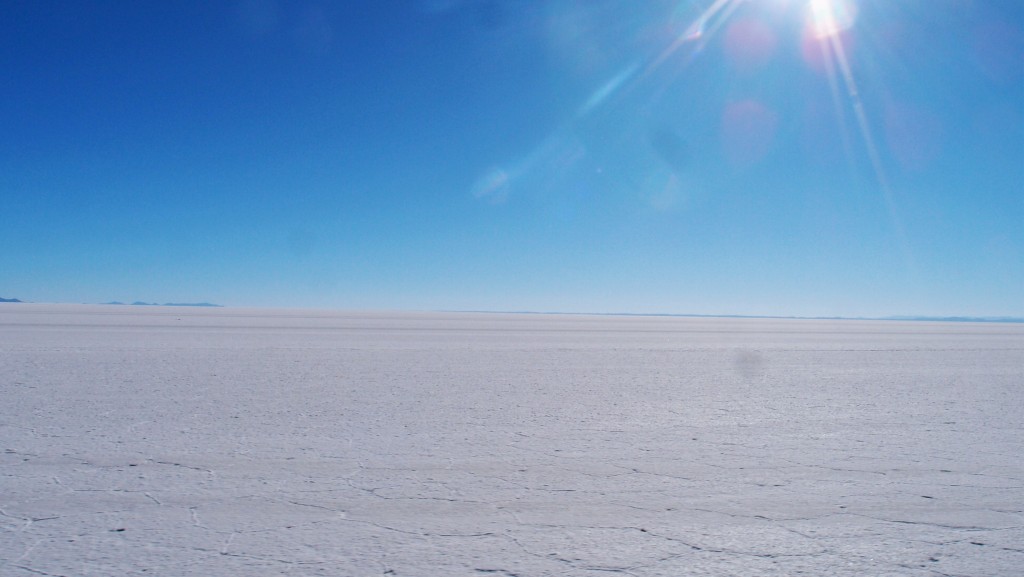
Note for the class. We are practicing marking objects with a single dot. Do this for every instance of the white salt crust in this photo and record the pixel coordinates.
(191, 441)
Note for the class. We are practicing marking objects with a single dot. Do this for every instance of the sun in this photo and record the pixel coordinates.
(829, 18)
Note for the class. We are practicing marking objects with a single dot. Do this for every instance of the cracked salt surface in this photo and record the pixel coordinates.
(254, 442)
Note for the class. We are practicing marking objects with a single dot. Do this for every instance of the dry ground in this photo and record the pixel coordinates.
(181, 441)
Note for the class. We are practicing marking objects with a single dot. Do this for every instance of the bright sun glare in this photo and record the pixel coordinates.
(828, 18)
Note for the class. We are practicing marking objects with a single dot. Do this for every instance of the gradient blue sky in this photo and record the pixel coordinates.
(729, 157)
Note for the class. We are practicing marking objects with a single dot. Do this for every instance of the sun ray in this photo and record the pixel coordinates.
(835, 56)
(828, 28)
(837, 103)
(698, 32)
(828, 18)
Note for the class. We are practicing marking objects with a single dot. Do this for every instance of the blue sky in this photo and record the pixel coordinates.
(780, 157)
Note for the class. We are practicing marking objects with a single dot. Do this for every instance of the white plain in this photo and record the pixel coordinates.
(190, 441)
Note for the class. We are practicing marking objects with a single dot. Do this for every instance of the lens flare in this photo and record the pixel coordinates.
(829, 18)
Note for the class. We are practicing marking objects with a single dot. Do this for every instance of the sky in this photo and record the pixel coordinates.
(765, 157)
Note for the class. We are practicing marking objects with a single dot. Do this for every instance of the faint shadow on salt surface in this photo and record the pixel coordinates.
(748, 363)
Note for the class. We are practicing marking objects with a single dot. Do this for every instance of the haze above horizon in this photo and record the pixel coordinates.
(815, 158)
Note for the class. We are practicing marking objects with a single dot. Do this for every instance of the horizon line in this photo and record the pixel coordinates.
(901, 317)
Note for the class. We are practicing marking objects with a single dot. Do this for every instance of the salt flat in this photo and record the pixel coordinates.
(187, 441)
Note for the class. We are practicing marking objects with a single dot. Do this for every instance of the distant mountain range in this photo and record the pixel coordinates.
(958, 319)
(141, 303)
(952, 319)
